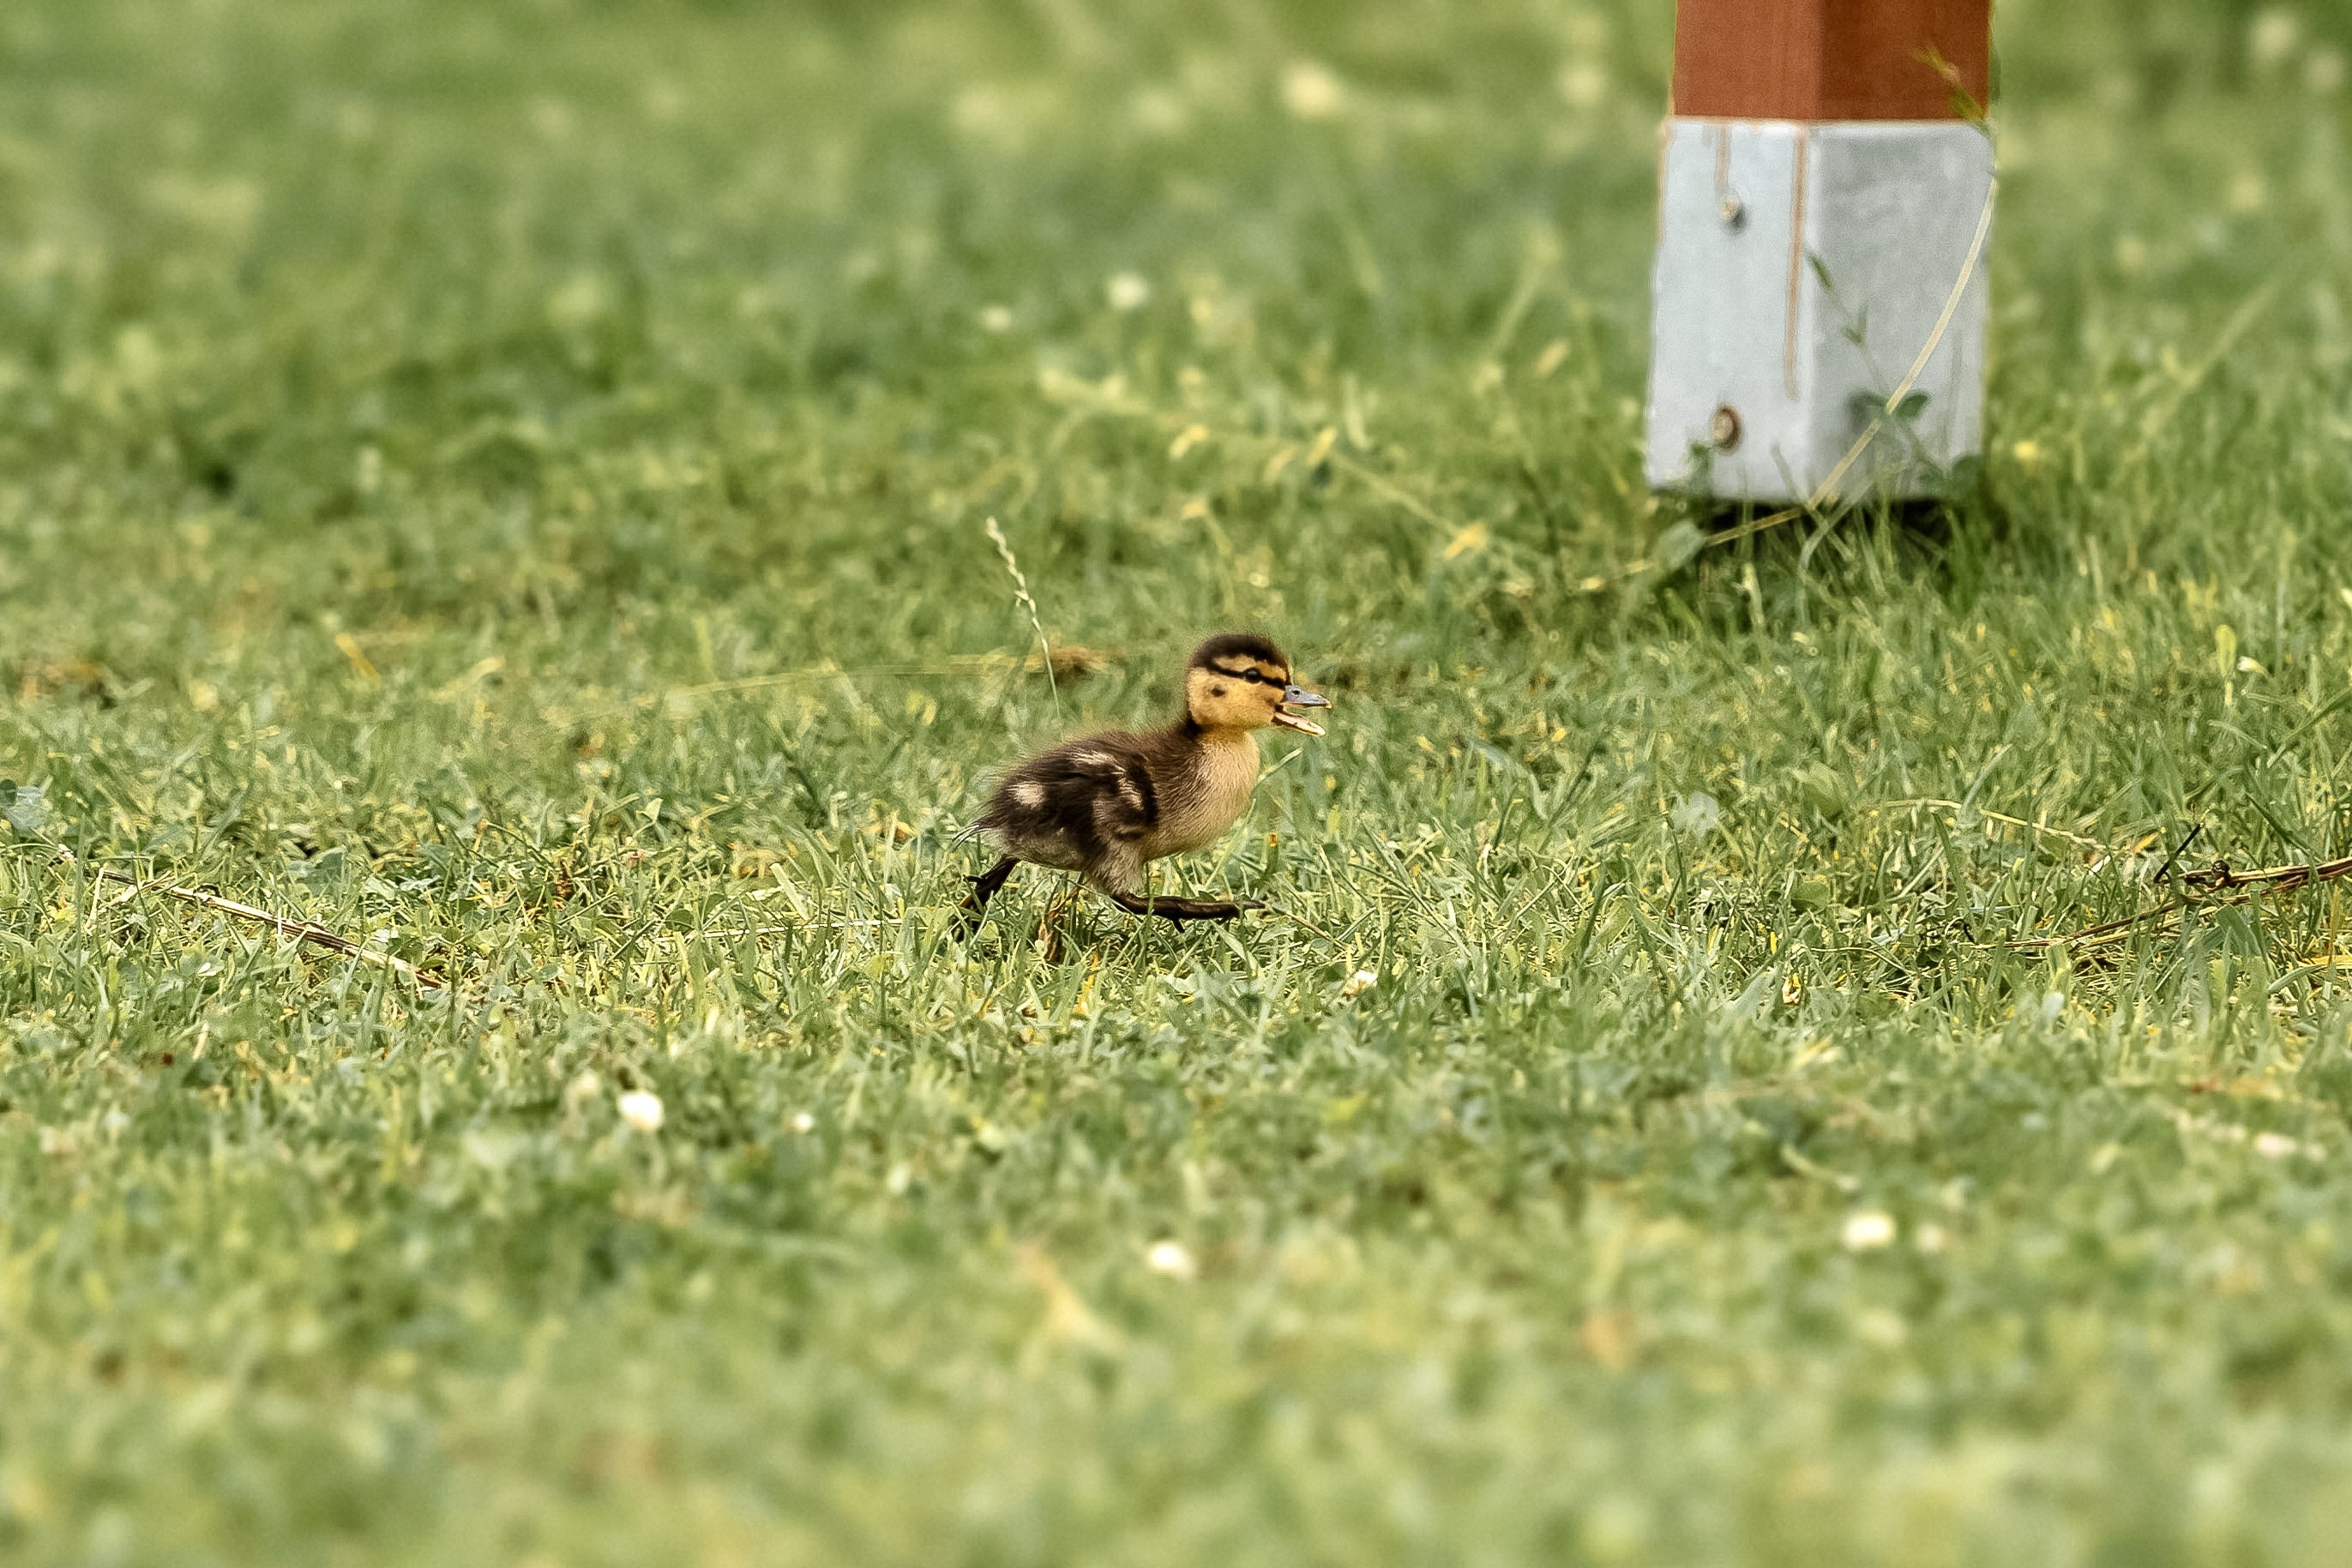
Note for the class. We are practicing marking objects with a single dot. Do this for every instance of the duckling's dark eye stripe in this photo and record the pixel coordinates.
(1259, 676)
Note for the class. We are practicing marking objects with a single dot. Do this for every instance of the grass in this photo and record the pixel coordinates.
(508, 482)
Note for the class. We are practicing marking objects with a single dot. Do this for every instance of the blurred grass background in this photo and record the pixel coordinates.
(506, 482)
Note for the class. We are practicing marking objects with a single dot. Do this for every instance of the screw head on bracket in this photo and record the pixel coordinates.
(1724, 429)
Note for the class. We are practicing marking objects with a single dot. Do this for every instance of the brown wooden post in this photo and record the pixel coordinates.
(1831, 59)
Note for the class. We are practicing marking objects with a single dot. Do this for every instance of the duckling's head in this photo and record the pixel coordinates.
(1242, 681)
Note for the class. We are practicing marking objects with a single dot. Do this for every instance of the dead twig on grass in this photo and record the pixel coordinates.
(2280, 879)
(306, 931)
(2239, 887)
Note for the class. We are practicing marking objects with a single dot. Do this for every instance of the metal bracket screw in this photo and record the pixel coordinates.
(1724, 429)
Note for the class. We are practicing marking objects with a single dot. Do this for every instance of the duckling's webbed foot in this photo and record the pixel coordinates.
(1180, 910)
(984, 888)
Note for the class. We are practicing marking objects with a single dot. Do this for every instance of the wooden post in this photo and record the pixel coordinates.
(1820, 294)
(1831, 59)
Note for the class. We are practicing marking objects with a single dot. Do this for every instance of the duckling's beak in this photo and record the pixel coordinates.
(1299, 696)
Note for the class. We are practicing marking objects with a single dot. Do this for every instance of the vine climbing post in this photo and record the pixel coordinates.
(1826, 191)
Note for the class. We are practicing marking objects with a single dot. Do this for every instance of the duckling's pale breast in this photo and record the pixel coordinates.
(1208, 797)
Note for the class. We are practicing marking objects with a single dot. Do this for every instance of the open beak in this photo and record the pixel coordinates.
(1299, 696)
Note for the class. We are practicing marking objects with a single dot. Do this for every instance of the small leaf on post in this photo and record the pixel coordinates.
(1678, 547)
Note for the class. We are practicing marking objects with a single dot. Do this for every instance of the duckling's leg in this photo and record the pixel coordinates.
(1118, 874)
(1049, 926)
(984, 888)
(1184, 908)
(1180, 910)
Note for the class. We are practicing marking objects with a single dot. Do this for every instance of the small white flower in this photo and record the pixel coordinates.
(1127, 291)
(1868, 1230)
(1171, 1259)
(996, 318)
(1311, 91)
(1357, 984)
(803, 1122)
(1699, 814)
(2275, 1145)
(642, 1110)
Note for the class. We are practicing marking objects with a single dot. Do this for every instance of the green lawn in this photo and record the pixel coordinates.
(507, 482)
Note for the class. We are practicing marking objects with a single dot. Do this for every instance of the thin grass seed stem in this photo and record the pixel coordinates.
(1297, 919)
(974, 667)
(1020, 592)
(2241, 321)
(1829, 488)
(1392, 491)
(2036, 827)
(682, 937)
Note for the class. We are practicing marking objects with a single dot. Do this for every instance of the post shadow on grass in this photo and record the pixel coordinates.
(1969, 508)
(1966, 499)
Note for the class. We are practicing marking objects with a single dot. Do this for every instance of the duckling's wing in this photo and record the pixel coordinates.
(1102, 782)
(1080, 806)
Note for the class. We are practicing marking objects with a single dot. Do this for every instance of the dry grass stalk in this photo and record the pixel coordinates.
(1068, 662)
(301, 930)
(2243, 887)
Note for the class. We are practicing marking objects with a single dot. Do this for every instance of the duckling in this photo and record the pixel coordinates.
(1106, 805)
